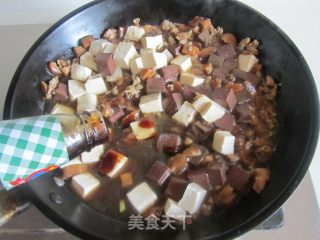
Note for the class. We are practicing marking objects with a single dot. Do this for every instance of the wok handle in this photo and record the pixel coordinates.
(18, 199)
(13, 202)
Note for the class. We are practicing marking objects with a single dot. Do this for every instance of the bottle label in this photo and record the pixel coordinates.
(30, 147)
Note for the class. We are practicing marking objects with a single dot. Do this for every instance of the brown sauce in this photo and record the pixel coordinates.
(251, 108)
(141, 155)
(146, 123)
(107, 162)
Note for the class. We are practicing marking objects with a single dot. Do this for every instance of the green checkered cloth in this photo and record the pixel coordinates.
(30, 147)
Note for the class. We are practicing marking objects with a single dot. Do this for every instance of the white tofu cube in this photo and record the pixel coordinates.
(201, 102)
(95, 85)
(192, 198)
(142, 132)
(75, 161)
(185, 115)
(73, 167)
(136, 65)
(80, 73)
(146, 50)
(116, 76)
(168, 54)
(124, 53)
(209, 110)
(134, 33)
(183, 62)
(84, 184)
(212, 112)
(87, 102)
(152, 41)
(120, 161)
(101, 45)
(246, 62)
(151, 103)
(61, 109)
(172, 210)
(154, 60)
(87, 60)
(110, 48)
(76, 89)
(223, 142)
(142, 197)
(190, 79)
(93, 156)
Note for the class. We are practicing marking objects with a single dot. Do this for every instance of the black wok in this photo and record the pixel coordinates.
(297, 103)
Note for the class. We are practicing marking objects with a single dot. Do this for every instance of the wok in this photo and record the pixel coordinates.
(297, 105)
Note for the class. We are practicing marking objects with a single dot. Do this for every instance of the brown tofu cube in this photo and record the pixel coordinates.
(204, 37)
(199, 131)
(218, 73)
(243, 96)
(227, 51)
(172, 103)
(155, 85)
(238, 178)
(117, 113)
(204, 89)
(178, 99)
(231, 100)
(217, 172)
(175, 49)
(216, 60)
(245, 113)
(105, 64)
(169, 73)
(219, 95)
(228, 65)
(224, 97)
(200, 177)
(227, 122)
(175, 188)
(158, 173)
(169, 142)
(188, 93)
(61, 93)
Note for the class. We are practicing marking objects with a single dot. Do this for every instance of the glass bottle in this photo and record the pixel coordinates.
(83, 131)
(32, 146)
